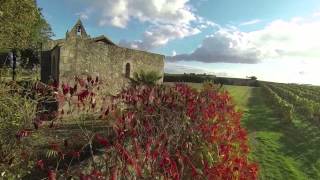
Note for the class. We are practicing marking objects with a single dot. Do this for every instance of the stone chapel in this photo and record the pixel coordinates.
(80, 55)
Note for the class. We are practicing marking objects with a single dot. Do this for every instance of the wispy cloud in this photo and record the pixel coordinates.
(251, 22)
(84, 15)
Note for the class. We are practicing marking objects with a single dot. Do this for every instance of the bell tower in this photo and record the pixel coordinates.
(78, 31)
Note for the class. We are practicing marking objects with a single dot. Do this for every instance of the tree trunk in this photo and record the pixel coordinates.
(14, 64)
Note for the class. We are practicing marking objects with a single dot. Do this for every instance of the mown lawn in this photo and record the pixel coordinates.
(283, 150)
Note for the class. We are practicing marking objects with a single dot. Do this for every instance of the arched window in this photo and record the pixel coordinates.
(127, 70)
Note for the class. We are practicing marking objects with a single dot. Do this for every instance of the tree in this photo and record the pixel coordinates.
(147, 78)
(253, 77)
(22, 26)
(42, 31)
(16, 23)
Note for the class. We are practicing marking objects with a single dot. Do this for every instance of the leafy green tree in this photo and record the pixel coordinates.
(22, 26)
(17, 20)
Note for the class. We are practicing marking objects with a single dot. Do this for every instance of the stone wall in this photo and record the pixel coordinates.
(85, 57)
(48, 46)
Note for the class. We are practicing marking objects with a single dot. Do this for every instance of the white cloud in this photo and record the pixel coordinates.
(119, 12)
(289, 38)
(84, 15)
(114, 13)
(160, 35)
(251, 22)
(174, 53)
(204, 23)
(223, 46)
(298, 38)
(167, 20)
(316, 14)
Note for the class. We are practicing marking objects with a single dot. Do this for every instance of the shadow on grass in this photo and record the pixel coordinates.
(74, 132)
(258, 117)
(284, 150)
(302, 142)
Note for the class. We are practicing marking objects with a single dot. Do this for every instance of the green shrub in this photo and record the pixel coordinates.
(147, 78)
(16, 114)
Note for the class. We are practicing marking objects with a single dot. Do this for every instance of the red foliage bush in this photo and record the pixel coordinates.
(178, 133)
(167, 132)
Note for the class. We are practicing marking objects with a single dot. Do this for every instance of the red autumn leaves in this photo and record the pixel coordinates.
(166, 132)
(176, 132)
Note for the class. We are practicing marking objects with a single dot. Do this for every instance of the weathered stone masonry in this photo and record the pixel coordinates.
(79, 54)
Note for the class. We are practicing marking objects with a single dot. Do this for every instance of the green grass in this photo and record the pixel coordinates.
(269, 139)
(240, 95)
(21, 74)
(282, 150)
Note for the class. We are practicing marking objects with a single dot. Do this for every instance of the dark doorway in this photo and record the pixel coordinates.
(127, 70)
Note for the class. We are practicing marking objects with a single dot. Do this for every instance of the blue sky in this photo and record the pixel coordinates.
(275, 40)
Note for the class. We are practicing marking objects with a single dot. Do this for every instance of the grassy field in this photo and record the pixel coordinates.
(21, 74)
(282, 150)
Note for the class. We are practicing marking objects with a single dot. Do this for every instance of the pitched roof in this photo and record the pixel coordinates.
(103, 39)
